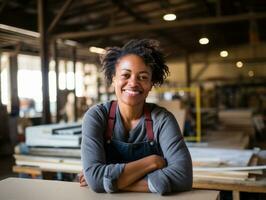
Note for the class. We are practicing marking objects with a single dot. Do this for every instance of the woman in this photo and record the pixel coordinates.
(128, 144)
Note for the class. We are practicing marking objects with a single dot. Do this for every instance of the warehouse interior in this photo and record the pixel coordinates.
(50, 75)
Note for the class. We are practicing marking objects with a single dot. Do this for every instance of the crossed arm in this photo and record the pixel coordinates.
(131, 179)
(175, 177)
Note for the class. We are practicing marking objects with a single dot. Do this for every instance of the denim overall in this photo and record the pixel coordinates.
(122, 152)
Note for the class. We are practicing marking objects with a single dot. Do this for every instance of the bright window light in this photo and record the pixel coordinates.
(30, 87)
(4, 86)
(30, 79)
(223, 53)
(52, 86)
(169, 17)
(70, 76)
(62, 75)
(203, 41)
(4, 79)
(79, 79)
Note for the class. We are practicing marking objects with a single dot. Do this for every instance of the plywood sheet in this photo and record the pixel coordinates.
(174, 107)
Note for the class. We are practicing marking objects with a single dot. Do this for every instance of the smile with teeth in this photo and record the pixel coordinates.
(132, 92)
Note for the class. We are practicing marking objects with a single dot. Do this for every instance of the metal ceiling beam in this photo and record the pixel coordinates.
(128, 10)
(144, 20)
(59, 15)
(158, 26)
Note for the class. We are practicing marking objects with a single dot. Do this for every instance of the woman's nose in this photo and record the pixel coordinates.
(133, 80)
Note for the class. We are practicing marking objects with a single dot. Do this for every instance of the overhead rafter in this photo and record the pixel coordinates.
(142, 19)
(124, 7)
(84, 9)
(59, 15)
(158, 26)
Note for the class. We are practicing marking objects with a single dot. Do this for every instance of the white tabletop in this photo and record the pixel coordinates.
(34, 189)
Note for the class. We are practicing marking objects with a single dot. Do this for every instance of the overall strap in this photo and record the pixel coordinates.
(148, 122)
(111, 120)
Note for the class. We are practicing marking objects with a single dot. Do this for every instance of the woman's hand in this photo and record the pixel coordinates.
(136, 170)
(82, 181)
(158, 161)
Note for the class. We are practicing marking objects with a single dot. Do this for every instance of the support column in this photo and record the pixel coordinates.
(14, 100)
(74, 60)
(188, 71)
(188, 78)
(13, 62)
(44, 46)
(0, 79)
(55, 51)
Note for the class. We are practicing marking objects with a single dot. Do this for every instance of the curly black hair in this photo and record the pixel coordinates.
(147, 49)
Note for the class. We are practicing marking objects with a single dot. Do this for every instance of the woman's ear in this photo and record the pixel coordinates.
(113, 81)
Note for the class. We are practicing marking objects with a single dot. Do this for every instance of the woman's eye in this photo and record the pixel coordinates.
(142, 78)
(125, 76)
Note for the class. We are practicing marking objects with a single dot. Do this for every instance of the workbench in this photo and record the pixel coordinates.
(32, 189)
(236, 187)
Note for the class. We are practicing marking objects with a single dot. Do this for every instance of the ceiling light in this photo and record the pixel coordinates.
(239, 64)
(203, 41)
(97, 50)
(169, 17)
(223, 54)
(250, 73)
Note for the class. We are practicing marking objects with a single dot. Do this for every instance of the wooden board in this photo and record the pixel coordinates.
(32, 189)
(54, 164)
(223, 157)
(175, 108)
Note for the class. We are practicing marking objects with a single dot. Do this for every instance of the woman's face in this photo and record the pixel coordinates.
(132, 80)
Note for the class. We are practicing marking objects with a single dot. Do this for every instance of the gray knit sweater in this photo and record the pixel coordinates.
(102, 177)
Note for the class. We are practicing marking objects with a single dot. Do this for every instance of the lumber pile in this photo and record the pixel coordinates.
(214, 164)
(48, 159)
(48, 163)
(224, 164)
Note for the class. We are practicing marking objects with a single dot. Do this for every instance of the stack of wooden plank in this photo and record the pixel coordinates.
(48, 163)
(224, 164)
(208, 163)
(31, 160)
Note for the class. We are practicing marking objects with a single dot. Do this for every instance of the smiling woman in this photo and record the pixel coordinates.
(128, 144)
(132, 81)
